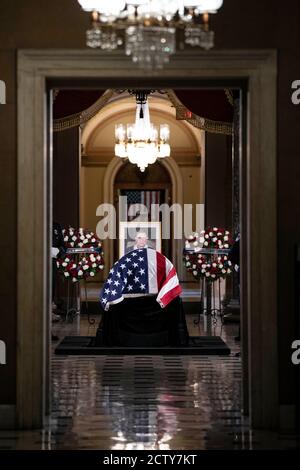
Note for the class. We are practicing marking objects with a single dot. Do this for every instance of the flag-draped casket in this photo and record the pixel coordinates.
(141, 302)
(141, 272)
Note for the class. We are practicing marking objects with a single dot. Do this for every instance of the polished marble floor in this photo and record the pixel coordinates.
(146, 402)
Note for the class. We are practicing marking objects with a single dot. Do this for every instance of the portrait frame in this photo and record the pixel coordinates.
(127, 238)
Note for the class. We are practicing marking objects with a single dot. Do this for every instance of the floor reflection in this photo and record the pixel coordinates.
(146, 402)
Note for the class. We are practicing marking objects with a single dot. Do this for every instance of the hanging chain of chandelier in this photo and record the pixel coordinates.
(142, 142)
(150, 29)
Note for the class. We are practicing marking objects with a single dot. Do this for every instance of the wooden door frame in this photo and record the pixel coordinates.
(35, 69)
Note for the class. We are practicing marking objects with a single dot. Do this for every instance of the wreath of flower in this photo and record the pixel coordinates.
(214, 238)
(219, 266)
(80, 266)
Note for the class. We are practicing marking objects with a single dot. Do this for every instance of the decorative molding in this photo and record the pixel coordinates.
(111, 63)
(82, 117)
(196, 164)
(104, 164)
(105, 151)
(229, 95)
(207, 125)
(104, 158)
(94, 164)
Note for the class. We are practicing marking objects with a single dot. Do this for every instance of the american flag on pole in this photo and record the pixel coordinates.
(147, 198)
(139, 272)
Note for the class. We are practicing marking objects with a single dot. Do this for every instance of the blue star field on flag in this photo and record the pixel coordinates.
(129, 275)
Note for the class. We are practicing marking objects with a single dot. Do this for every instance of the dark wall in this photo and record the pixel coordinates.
(8, 234)
(218, 181)
(66, 175)
(256, 24)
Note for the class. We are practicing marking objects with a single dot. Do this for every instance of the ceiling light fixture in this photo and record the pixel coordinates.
(142, 142)
(150, 29)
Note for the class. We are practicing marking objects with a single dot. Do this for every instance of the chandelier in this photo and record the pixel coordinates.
(142, 142)
(150, 29)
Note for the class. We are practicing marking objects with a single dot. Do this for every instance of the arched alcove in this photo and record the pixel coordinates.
(173, 171)
(185, 166)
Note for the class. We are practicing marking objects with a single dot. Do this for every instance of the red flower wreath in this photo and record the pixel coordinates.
(82, 265)
(219, 266)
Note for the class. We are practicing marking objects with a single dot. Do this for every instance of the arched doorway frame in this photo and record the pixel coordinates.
(38, 69)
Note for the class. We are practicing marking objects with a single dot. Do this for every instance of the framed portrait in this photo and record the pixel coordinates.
(134, 235)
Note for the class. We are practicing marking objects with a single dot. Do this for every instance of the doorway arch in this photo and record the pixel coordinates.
(259, 249)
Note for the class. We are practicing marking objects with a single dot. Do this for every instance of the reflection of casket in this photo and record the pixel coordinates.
(140, 321)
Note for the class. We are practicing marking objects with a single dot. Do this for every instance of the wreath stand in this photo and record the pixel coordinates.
(210, 291)
(74, 307)
(73, 302)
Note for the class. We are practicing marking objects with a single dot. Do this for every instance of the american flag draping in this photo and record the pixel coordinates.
(139, 272)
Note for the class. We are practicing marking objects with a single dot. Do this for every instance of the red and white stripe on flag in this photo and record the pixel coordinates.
(148, 198)
(162, 278)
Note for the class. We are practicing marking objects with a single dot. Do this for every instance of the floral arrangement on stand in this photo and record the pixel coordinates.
(213, 266)
(78, 266)
(214, 238)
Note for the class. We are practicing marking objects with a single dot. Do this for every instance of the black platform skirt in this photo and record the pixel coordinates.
(140, 321)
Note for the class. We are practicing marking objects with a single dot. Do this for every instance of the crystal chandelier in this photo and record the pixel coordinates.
(149, 29)
(142, 142)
